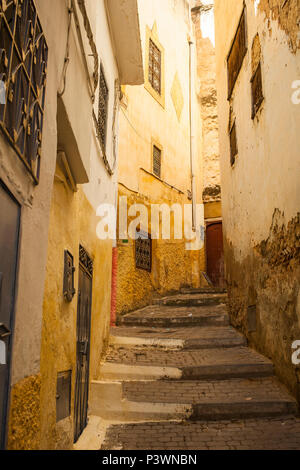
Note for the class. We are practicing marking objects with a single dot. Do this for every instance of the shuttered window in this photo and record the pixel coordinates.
(233, 145)
(237, 53)
(156, 161)
(257, 92)
(103, 107)
(154, 73)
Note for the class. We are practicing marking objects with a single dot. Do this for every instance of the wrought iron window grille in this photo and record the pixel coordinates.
(103, 107)
(23, 69)
(156, 161)
(143, 251)
(154, 72)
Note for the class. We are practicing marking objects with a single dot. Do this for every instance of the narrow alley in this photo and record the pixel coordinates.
(177, 376)
(149, 226)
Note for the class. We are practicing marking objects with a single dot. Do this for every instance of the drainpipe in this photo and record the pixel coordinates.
(192, 130)
(113, 310)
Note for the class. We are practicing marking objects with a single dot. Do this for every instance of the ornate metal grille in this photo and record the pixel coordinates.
(237, 53)
(156, 161)
(23, 64)
(103, 105)
(233, 144)
(85, 261)
(155, 67)
(143, 251)
(257, 93)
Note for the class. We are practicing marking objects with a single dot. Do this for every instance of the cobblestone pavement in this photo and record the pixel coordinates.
(221, 378)
(258, 434)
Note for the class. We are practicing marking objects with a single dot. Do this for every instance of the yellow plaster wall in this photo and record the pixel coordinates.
(24, 419)
(212, 210)
(173, 266)
(73, 222)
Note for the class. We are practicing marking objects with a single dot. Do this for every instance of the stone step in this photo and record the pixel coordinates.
(177, 337)
(203, 290)
(146, 401)
(156, 316)
(192, 300)
(147, 364)
(248, 434)
(214, 400)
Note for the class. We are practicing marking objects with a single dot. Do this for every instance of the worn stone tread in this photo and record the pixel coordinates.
(156, 316)
(206, 357)
(193, 337)
(192, 299)
(214, 391)
(251, 434)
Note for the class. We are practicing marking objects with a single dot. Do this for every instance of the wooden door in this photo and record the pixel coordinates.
(215, 254)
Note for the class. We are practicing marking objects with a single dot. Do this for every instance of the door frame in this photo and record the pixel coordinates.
(6, 404)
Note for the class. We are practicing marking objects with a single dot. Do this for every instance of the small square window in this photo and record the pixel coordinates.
(257, 93)
(154, 72)
(233, 144)
(156, 161)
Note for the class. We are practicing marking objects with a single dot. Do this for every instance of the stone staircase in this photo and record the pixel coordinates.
(179, 362)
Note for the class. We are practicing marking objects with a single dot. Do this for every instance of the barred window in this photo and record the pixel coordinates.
(103, 107)
(237, 53)
(23, 70)
(143, 251)
(156, 161)
(155, 67)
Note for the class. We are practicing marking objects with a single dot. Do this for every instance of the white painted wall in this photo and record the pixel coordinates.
(266, 173)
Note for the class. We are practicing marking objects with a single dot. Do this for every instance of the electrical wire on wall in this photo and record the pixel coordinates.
(67, 54)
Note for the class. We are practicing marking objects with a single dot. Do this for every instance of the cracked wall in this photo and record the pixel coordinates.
(269, 280)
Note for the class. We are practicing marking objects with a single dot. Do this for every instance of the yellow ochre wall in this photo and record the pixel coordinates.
(73, 222)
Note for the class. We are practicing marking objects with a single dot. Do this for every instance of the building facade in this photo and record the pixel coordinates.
(59, 123)
(258, 67)
(156, 165)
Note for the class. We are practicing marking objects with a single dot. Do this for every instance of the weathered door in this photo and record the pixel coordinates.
(215, 254)
(84, 311)
(9, 236)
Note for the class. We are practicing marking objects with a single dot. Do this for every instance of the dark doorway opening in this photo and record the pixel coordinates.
(9, 245)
